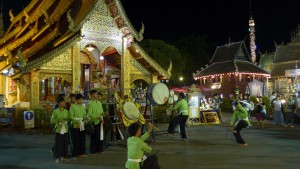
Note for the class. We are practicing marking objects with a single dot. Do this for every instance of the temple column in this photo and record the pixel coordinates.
(154, 78)
(75, 66)
(35, 89)
(125, 69)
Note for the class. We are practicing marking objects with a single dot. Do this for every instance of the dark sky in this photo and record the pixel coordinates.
(172, 19)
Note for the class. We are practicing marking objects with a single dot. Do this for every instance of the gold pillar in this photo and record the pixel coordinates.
(35, 89)
(75, 66)
(125, 69)
(2, 80)
(155, 79)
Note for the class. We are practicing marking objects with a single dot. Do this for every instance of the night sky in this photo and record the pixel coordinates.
(171, 19)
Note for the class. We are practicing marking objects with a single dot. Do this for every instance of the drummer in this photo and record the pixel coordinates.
(181, 117)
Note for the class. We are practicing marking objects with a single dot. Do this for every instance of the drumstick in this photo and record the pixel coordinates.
(157, 129)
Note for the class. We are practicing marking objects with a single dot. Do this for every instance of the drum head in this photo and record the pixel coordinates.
(160, 93)
(175, 98)
(172, 93)
(171, 100)
(131, 111)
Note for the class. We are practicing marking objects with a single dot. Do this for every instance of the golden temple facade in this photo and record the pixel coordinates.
(56, 46)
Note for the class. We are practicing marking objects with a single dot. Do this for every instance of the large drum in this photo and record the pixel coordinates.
(158, 93)
(131, 114)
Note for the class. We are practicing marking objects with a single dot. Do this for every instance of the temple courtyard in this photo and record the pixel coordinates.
(211, 146)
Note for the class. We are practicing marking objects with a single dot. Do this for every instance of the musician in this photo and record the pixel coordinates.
(60, 118)
(78, 116)
(137, 147)
(96, 113)
(181, 118)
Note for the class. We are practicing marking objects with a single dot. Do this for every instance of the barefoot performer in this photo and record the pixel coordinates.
(241, 115)
(137, 147)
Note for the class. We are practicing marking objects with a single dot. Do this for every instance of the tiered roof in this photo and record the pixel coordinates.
(230, 58)
(46, 27)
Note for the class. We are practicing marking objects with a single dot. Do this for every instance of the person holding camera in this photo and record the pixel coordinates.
(240, 115)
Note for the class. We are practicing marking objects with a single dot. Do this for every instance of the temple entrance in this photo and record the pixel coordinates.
(100, 70)
(52, 87)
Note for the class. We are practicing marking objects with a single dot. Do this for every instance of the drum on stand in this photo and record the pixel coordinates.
(131, 114)
(158, 94)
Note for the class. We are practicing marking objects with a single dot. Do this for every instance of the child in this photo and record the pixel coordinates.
(60, 118)
(136, 148)
(78, 116)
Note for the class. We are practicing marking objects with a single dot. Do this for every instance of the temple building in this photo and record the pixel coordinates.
(285, 65)
(64, 46)
(231, 68)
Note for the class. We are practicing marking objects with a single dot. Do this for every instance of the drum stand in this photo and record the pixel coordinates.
(153, 133)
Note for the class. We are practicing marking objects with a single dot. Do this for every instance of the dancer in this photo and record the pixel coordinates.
(181, 117)
(241, 115)
(96, 113)
(60, 119)
(137, 147)
(78, 116)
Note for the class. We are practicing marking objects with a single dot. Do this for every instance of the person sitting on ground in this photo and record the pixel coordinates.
(137, 147)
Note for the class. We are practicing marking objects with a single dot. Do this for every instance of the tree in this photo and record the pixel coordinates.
(197, 52)
(163, 53)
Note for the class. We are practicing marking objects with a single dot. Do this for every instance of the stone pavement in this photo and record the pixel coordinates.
(211, 146)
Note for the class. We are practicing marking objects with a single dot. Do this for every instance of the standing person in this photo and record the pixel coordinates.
(78, 116)
(96, 113)
(67, 104)
(298, 103)
(136, 148)
(181, 118)
(272, 99)
(261, 113)
(72, 99)
(250, 104)
(278, 107)
(291, 109)
(217, 102)
(60, 119)
(241, 115)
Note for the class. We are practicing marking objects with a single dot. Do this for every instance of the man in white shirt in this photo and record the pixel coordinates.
(277, 107)
(272, 97)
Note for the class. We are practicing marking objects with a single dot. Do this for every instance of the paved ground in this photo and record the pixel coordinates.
(208, 147)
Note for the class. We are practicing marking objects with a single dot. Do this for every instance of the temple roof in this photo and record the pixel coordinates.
(144, 59)
(287, 53)
(231, 51)
(46, 26)
(230, 58)
(279, 69)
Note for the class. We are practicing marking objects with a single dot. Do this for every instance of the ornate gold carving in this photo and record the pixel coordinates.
(137, 68)
(170, 69)
(60, 62)
(70, 20)
(125, 71)
(23, 61)
(99, 22)
(76, 66)
(155, 79)
(35, 89)
(11, 15)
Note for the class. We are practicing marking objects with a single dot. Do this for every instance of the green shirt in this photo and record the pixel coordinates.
(95, 110)
(136, 148)
(240, 113)
(59, 115)
(77, 111)
(182, 106)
